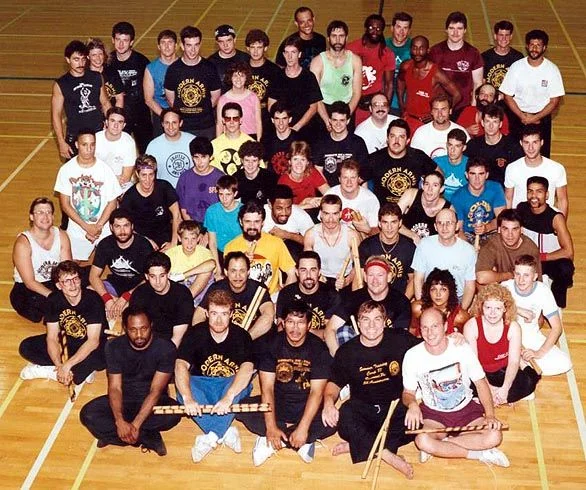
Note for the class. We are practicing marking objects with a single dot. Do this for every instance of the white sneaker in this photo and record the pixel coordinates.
(91, 378)
(203, 446)
(34, 371)
(495, 456)
(232, 439)
(306, 452)
(424, 457)
(262, 451)
(529, 397)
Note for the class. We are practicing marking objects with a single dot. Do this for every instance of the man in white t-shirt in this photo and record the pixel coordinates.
(535, 164)
(533, 299)
(533, 88)
(88, 190)
(116, 148)
(432, 138)
(374, 129)
(444, 371)
(359, 205)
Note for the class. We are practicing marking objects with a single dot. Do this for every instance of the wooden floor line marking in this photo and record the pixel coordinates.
(538, 446)
(24, 163)
(85, 465)
(10, 396)
(275, 13)
(155, 22)
(204, 13)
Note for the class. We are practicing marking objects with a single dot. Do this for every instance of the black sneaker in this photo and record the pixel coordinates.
(153, 442)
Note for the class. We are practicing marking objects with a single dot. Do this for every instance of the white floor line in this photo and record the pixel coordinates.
(24, 163)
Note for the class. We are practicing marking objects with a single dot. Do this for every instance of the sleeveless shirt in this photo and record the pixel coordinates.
(43, 260)
(419, 92)
(336, 83)
(332, 258)
(493, 357)
(417, 220)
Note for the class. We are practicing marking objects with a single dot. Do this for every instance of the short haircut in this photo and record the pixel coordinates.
(530, 130)
(477, 162)
(493, 111)
(145, 162)
(503, 25)
(252, 206)
(435, 173)
(330, 199)
(458, 135)
(227, 182)
(337, 24)
(170, 110)
(65, 267)
(251, 149)
(256, 36)
(120, 213)
(399, 123)
(456, 18)
(280, 191)
(238, 67)
(221, 297)
(445, 278)
(538, 179)
(157, 259)
(295, 41)
(116, 110)
(190, 225)
(299, 148)
(167, 34)
(371, 305)
(440, 98)
(85, 131)
(231, 106)
(390, 208)
(299, 309)
(372, 17)
(309, 255)
(40, 200)
(189, 32)
(338, 107)
(537, 34)
(508, 215)
(135, 309)
(200, 145)
(96, 43)
(527, 260)
(280, 106)
(403, 17)
(237, 255)
(123, 28)
(302, 9)
(75, 46)
(350, 164)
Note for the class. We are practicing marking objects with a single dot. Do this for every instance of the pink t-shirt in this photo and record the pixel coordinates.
(249, 108)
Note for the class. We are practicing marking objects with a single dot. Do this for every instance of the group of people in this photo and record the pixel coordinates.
(373, 218)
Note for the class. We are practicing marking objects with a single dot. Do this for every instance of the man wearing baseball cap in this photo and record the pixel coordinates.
(227, 53)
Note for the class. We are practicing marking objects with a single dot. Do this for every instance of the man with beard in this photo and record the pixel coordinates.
(277, 138)
(418, 82)
(286, 220)
(378, 63)
(169, 304)
(321, 299)
(139, 367)
(374, 129)
(242, 289)
(548, 228)
(311, 43)
(533, 89)
(267, 253)
(124, 253)
(338, 71)
(471, 116)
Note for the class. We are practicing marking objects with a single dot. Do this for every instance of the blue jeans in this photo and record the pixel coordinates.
(207, 390)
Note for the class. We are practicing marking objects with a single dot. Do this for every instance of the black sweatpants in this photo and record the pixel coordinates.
(561, 272)
(29, 304)
(524, 383)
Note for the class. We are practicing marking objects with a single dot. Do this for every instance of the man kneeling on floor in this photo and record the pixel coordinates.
(139, 367)
(214, 366)
(444, 371)
(294, 371)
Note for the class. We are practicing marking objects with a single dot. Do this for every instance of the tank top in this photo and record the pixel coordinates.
(492, 357)
(332, 258)
(417, 220)
(419, 92)
(451, 319)
(158, 70)
(336, 83)
(43, 260)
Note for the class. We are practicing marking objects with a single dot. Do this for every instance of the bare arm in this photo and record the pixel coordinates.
(215, 96)
(265, 320)
(561, 199)
(418, 278)
(468, 296)
(566, 250)
(213, 246)
(476, 82)
(357, 82)
(274, 435)
(334, 323)
(489, 277)
(304, 120)
(401, 87)
(176, 220)
(240, 381)
(57, 105)
(450, 87)
(258, 119)
(509, 194)
(299, 436)
(148, 88)
(170, 96)
(21, 257)
(330, 414)
(183, 381)
(104, 100)
(178, 333)
(158, 386)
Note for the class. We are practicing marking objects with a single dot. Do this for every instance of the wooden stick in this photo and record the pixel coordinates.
(462, 428)
(477, 243)
(113, 333)
(342, 272)
(252, 308)
(357, 283)
(64, 359)
(379, 441)
(535, 366)
(354, 324)
(234, 408)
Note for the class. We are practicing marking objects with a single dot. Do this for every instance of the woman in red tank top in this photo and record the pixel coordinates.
(496, 338)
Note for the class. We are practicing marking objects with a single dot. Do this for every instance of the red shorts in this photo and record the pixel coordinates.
(461, 417)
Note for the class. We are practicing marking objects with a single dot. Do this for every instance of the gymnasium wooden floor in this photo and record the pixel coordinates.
(547, 440)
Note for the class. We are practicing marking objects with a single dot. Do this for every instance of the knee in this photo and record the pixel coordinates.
(423, 442)
(494, 438)
(86, 415)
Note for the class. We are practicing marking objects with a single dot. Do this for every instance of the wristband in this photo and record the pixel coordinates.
(126, 295)
(106, 297)
(543, 257)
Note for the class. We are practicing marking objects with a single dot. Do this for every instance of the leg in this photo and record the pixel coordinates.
(34, 349)
(27, 303)
(161, 423)
(97, 417)
(96, 361)
(253, 421)
(561, 273)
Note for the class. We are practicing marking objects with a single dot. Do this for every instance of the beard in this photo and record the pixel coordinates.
(251, 234)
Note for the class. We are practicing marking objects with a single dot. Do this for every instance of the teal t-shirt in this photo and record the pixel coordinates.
(402, 53)
(455, 175)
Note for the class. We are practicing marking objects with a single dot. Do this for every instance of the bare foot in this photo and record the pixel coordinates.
(341, 448)
(399, 463)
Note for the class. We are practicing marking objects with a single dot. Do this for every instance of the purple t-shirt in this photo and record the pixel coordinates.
(197, 192)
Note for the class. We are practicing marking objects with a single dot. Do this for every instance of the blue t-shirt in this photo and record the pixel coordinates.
(478, 209)
(173, 157)
(158, 69)
(223, 223)
(455, 175)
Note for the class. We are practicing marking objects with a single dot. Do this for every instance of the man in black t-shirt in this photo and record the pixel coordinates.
(371, 365)
(377, 274)
(227, 54)
(124, 253)
(322, 299)
(131, 66)
(242, 289)
(139, 367)
(214, 366)
(293, 374)
(277, 139)
(312, 43)
(398, 167)
(76, 313)
(169, 304)
(499, 58)
(254, 182)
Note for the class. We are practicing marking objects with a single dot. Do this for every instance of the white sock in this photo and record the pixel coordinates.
(474, 454)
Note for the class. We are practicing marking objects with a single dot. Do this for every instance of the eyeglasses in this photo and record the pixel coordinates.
(70, 280)
(375, 28)
(231, 118)
(46, 212)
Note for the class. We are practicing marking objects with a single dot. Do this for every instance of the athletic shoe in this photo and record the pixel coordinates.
(232, 439)
(529, 397)
(262, 451)
(34, 371)
(495, 456)
(306, 452)
(91, 378)
(203, 446)
(424, 457)
(153, 441)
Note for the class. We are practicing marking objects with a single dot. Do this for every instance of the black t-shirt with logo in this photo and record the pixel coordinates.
(322, 303)
(112, 83)
(263, 77)
(496, 65)
(276, 150)
(329, 154)
(131, 73)
(296, 93)
(222, 64)
(498, 156)
(310, 48)
(258, 188)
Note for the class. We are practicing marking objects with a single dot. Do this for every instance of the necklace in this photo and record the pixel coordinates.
(330, 244)
(382, 245)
